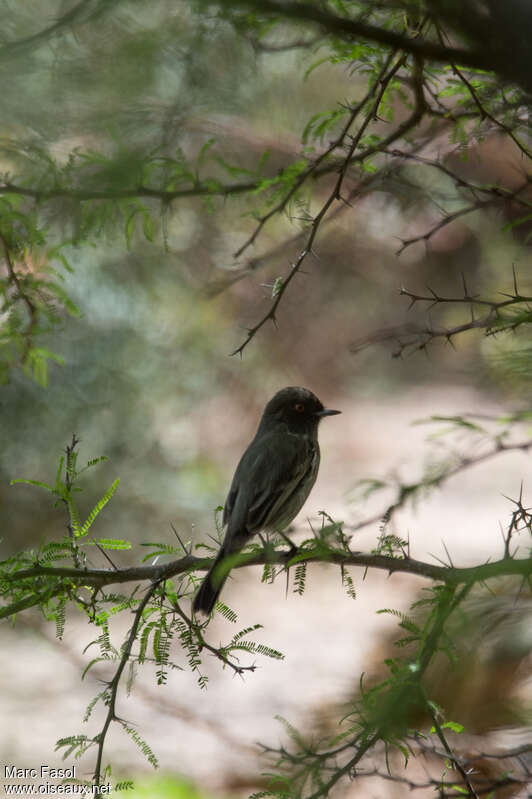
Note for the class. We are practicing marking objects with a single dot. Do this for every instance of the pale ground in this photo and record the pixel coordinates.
(327, 638)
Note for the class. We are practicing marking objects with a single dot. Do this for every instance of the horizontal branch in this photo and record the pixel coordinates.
(447, 574)
(347, 28)
(123, 194)
(413, 337)
(61, 24)
(30, 601)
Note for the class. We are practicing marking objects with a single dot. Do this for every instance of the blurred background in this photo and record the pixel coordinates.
(148, 381)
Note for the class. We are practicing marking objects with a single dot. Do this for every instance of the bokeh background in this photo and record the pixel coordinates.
(148, 381)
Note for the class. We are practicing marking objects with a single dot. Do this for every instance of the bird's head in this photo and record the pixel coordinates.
(296, 407)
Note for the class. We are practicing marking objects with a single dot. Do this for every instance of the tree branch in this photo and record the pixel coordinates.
(413, 337)
(378, 89)
(350, 29)
(450, 575)
(21, 295)
(66, 21)
(115, 682)
(124, 194)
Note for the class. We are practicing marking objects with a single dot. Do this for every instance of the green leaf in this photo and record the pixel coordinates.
(111, 543)
(33, 483)
(147, 226)
(204, 153)
(36, 364)
(100, 505)
(453, 725)
(130, 227)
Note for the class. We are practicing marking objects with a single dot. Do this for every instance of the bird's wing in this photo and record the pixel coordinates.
(270, 470)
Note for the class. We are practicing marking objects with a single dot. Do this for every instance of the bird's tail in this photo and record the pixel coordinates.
(212, 584)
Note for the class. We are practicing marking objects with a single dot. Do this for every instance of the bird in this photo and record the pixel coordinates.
(271, 483)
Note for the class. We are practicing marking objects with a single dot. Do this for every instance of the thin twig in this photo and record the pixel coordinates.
(379, 87)
(22, 295)
(405, 490)
(115, 682)
(69, 480)
(203, 644)
(314, 166)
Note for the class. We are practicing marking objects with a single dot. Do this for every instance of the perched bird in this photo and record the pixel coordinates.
(272, 481)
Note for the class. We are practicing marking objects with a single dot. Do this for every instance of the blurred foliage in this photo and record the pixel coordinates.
(165, 788)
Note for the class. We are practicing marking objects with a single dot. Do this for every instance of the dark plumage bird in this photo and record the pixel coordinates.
(272, 481)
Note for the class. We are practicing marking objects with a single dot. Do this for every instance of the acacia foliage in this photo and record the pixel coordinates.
(73, 176)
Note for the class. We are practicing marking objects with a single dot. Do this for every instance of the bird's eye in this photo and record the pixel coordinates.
(300, 408)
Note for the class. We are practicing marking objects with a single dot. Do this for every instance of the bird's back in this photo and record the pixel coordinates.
(271, 483)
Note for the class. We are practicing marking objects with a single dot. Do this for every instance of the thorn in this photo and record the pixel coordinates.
(293, 548)
(501, 530)
(450, 340)
(516, 290)
(448, 554)
(182, 545)
(104, 553)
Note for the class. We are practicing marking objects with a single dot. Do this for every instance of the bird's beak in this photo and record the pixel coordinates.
(326, 412)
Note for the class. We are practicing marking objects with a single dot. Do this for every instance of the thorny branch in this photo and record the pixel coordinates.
(484, 113)
(450, 575)
(311, 761)
(314, 166)
(77, 13)
(413, 337)
(218, 653)
(69, 475)
(166, 196)
(115, 682)
(337, 552)
(406, 490)
(353, 29)
(331, 548)
(378, 89)
(446, 220)
(483, 196)
(464, 773)
(449, 788)
(173, 708)
(485, 784)
(496, 190)
(495, 195)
